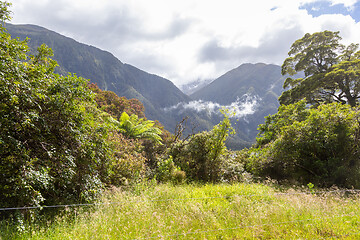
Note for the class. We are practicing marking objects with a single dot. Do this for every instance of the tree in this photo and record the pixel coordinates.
(332, 71)
(318, 145)
(286, 115)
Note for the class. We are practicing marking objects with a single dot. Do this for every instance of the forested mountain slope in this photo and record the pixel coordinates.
(251, 90)
(103, 68)
(251, 79)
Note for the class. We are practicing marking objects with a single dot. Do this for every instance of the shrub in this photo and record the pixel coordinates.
(322, 148)
(201, 157)
(127, 164)
(167, 171)
(56, 145)
(232, 169)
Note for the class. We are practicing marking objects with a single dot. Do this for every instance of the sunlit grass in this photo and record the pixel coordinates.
(239, 211)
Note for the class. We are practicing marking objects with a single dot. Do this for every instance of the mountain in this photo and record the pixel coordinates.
(194, 86)
(250, 91)
(106, 70)
(255, 87)
(251, 79)
(260, 81)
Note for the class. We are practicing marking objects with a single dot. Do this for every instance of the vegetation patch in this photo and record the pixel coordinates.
(221, 211)
(78, 162)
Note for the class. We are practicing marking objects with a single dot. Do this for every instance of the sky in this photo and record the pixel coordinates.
(187, 40)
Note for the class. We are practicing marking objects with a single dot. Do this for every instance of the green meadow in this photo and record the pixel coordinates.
(222, 211)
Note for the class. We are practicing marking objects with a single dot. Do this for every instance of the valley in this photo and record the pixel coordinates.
(250, 91)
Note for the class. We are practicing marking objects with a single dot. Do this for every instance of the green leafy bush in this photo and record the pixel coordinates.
(321, 146)
(50, 140)
(167, 171)
(56, 145)
(128, 163)
(139, 128)
(204, 156)
(232, 169)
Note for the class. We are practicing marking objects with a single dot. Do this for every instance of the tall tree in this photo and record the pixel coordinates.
(331, 70)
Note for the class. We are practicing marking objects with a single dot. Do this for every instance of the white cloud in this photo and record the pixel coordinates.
(238, 109)
(174, 38)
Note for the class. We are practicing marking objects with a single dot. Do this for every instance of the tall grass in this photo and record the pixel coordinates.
(239, 211)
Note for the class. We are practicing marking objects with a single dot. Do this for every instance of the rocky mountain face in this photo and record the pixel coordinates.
(250, 91)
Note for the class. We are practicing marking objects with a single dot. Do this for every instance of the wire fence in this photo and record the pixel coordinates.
(199, 231)
(353, 191)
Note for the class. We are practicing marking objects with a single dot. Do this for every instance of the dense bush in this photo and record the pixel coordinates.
(318, 145)
(131, 117)
(195, 157)
(114, 105)
(50, 136)
(128, 162)
(167, 171)
(204, 157)
(56, 145)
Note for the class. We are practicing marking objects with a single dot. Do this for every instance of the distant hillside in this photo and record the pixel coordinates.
(251, 90)
(107, 71)
(252, 79)
(257, 85)
(194, 86)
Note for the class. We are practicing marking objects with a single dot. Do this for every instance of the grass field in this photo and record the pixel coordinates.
(224, 211)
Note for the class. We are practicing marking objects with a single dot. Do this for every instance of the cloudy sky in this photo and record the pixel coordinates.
(186, 40)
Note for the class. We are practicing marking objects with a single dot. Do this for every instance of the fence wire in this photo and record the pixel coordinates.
(199, 231)
(179, 199)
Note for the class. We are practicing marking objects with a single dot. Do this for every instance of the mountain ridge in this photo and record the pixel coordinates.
(239, 81)
(243, 88)
(104, 69)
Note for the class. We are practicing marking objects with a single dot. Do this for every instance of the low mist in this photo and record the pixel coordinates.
(243, 106)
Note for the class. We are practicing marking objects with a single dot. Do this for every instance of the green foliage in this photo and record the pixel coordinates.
(203, 155)
(127, 164)
(311, 187)
(317, 145)
(4, 11)
(49, 140)
(332, 71)
(152, 134)
(285, 116)
(109, 102)
(233, 170)
(56, 145)
(313, 53)
(139, 128)
(345, 76)
(168, 171)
